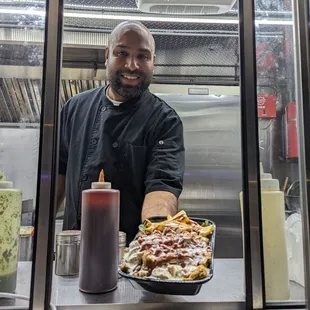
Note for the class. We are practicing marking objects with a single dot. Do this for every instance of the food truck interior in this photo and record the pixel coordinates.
(197, 72)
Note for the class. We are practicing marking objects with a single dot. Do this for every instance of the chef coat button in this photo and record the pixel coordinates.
(115, 145)
(103, 109)
(79, 216)
(161, 142)
(84, 177)
(94, 141)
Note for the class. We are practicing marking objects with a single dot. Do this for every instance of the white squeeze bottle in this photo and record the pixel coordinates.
(275, 251)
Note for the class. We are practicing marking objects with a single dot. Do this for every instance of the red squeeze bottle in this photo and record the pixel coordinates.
(99, 238)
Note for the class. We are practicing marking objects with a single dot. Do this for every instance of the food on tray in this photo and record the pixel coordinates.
(175, 249)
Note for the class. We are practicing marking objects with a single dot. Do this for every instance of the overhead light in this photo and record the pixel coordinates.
(148, 18)
(23, 12)
(273, 22)
(152, 18)
(99, 8)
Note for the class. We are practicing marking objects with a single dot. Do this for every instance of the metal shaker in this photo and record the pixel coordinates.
(25, 243)
(68, 253)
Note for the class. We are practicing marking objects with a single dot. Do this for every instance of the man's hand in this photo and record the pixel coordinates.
(159, 203)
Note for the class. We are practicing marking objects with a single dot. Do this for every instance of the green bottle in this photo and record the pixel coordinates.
(10, 220)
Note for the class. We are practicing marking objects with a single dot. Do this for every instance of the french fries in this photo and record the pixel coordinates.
(183, 222)
(176, 248)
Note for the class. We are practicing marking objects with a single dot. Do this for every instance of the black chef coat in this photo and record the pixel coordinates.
(139, 144)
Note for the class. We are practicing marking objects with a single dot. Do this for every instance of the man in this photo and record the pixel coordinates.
(127, 131)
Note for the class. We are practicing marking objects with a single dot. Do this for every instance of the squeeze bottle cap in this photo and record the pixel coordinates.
(268, 183)
(101, 184)
(3, 182)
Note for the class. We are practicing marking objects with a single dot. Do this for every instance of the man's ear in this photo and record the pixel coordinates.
(154, 60)
(106, 55)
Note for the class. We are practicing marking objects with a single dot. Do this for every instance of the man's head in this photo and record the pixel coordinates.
(130, 60)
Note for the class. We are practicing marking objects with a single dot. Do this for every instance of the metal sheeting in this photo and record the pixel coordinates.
(197, 52)
(212, 53)
(187, 52)
(20, 99)
(70, 88)
(36, 36)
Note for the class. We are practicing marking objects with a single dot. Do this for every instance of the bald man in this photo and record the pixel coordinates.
(127, 131)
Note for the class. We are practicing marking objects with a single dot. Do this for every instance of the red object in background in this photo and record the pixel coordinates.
(265, 57)
(291, 131)
(267, 106)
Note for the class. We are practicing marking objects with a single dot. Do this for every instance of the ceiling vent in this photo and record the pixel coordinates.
(185, 7)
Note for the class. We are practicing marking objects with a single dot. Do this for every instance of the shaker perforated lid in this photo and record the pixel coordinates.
(68, 237)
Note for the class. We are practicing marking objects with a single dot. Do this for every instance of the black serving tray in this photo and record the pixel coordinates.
(175, 287)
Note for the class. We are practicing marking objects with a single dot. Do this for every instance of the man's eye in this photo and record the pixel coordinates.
(144, 57)
(122, 54)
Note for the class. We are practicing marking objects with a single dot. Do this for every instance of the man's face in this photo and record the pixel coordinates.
(130, 63)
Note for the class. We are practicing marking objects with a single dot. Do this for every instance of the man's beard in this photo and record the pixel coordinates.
(129, 92)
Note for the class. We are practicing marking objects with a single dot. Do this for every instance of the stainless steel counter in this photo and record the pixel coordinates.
(226, 286)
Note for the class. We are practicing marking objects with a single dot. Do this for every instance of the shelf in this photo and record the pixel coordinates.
(20, 125)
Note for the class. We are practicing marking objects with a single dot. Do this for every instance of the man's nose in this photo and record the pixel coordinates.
(132, 64)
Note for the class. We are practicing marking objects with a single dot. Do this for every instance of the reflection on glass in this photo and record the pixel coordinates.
(192, 60)
(22, 33)
(282, 238)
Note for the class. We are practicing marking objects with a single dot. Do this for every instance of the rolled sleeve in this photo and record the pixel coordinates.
(165, 167)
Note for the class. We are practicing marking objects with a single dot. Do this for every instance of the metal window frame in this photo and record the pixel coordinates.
(302, 77)
(41, 278)
(46, 188)
(47, 172)
(252, 230)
